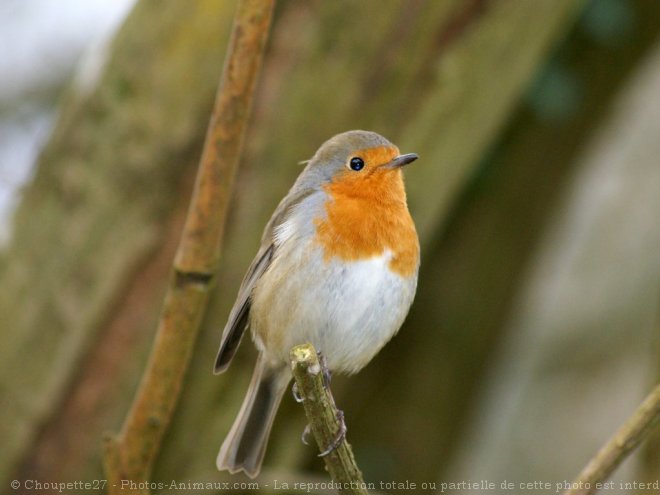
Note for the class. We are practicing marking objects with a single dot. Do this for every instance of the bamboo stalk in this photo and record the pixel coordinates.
(130, 456)
(617, 448)
(324, 419)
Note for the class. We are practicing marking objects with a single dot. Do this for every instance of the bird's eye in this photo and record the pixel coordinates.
(357, 163)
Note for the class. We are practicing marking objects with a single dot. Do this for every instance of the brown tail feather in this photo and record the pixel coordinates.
(245, 445)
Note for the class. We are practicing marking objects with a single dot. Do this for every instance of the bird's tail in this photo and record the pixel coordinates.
(245, 445)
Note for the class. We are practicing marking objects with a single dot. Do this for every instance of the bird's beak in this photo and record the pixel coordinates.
(402, 160)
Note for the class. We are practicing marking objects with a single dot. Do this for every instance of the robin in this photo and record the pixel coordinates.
(337, 267)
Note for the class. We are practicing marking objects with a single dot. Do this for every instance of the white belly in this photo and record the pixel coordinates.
(347, 310)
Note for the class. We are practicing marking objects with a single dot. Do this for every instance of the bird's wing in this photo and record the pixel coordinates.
(239, 315)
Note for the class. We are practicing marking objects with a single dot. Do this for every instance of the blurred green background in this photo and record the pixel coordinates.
(535, 329)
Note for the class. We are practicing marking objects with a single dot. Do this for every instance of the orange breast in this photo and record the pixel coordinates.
(366, 214)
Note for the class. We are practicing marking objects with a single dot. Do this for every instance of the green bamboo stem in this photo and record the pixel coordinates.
(130, 456)
(324, 419)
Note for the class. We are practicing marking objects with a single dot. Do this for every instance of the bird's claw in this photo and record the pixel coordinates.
(296, 393)
(305, 434)
(341, 435)
(327, 374)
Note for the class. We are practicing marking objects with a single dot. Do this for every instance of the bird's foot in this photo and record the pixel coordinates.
(296, 393)
(327, 374)
(305, 434)
(341, 435)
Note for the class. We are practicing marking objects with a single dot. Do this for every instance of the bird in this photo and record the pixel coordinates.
(337, 267)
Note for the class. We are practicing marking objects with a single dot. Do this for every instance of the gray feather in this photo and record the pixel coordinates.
(239, 316)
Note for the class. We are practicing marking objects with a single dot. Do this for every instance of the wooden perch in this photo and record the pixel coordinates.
(325, 420)
(129, 457)
(617, 448)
